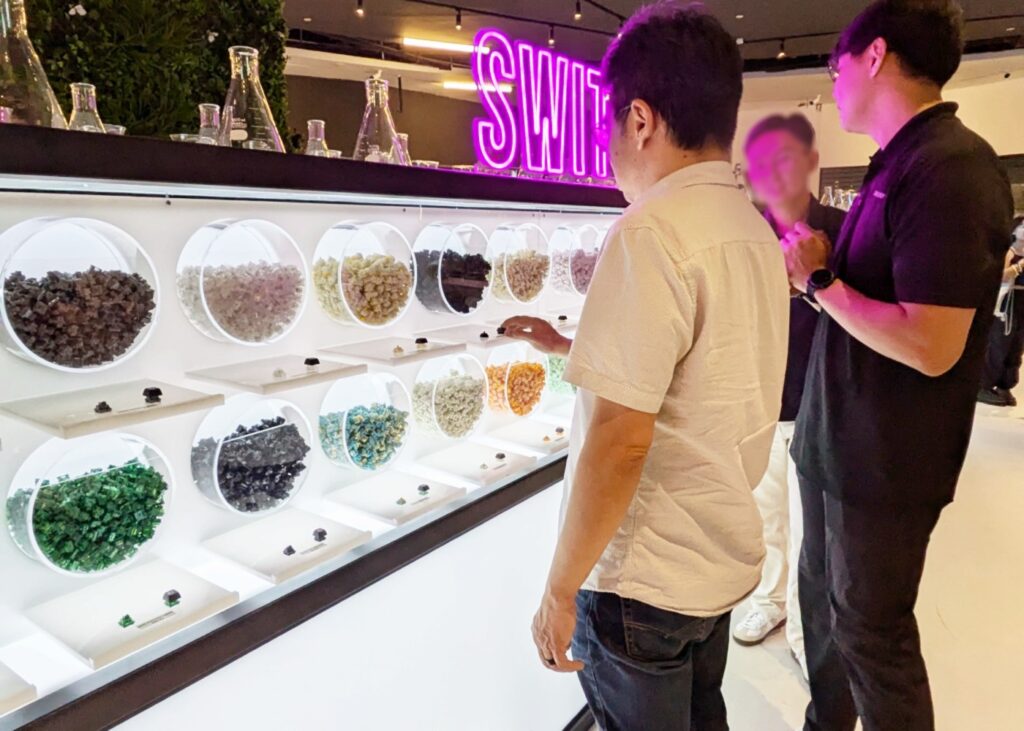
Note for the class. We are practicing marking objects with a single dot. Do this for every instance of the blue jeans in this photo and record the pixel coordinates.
(647, 669)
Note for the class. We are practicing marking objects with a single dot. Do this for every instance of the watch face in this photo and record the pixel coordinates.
(822, 277)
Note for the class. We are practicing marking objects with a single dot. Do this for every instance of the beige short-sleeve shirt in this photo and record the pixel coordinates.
(687, 317)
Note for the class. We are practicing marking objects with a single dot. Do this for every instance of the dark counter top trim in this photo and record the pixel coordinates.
(55, 153)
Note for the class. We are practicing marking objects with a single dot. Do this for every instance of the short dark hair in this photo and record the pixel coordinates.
(927, 35)
(795, 124)
(681, 61)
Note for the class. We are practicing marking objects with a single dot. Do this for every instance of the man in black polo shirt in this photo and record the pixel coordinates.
(888, 406)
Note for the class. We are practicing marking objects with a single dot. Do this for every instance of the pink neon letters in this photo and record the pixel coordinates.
(560, 102)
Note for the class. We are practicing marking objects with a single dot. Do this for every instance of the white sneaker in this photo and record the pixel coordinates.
(756, 626)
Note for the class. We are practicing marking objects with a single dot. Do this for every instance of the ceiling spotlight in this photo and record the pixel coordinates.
(1011, 29)
(307, 20)
(551, 36)
(739, 16)
(782, 51)
(359, 8)
(458, 18)
(739, 41)
(578, 15)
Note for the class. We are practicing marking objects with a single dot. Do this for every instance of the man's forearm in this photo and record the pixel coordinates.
(889, 329)
(604, 484)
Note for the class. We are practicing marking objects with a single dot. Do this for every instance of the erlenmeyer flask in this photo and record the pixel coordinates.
(246, 120)
(23, 84)
(826, 197)
(84, 117)
(316, 145)
(378, 128)
(209, 124)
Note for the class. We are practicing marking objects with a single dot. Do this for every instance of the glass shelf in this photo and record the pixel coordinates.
(278, 373)
(470, 335)
(286, 544)
(529, 435)
(393, 351)
(74, 413)
(475, 465)
(396, 497)
(91, 621)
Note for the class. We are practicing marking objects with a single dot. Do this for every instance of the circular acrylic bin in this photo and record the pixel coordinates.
(242, 281)
(574, 254)
(85, 507)
(351, 260)
(364, 421)
(449, 396)
(52, 267)
(250, 456)
(452, 268)
(520, 263)
(516, 376)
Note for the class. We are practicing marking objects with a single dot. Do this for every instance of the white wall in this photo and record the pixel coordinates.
(995, 110)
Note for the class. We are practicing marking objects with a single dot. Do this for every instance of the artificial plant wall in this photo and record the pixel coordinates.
(153, 61)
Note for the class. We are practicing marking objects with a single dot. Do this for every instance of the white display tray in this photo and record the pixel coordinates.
(14, 691)
(569, 323)
(528, 435)
(464, 462)
(86, 621)
(558, 411)
(257, 376)
(72, 413)
(470, 335)
(259, 546)
(383, 350)
(378, 496)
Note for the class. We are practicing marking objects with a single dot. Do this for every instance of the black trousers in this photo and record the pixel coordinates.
(860, 568)
(1005, 350)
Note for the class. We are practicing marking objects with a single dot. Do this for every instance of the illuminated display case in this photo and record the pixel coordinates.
(257, 458)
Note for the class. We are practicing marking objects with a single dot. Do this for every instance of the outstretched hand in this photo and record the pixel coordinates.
(539, 333)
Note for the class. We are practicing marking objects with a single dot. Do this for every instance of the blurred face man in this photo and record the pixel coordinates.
(779, 167)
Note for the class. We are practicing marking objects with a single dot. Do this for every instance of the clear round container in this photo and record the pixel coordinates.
(87, 506)
(574, 254)
(364, 273)
(516, 376)
(452, 268)
(250, 456)
(364, 421)
(242, 281)
(79, 294)
(520, 263)
(449, 396)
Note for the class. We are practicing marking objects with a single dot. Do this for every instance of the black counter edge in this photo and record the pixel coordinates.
(57, 153)
(136, 691)
(582, 721)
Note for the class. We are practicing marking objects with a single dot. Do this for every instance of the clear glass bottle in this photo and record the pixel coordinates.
(403, 143)
(378, 128)
(316, 145)
(246, 120)
(827, 198)
(23, 84)
(6, 115)
(84, 116)
(209, 124)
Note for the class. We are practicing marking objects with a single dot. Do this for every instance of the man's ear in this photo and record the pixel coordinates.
(877, 53)
(643, 122)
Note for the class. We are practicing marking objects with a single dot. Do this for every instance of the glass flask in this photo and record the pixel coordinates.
(403, 143)
(209, 124)
(84, 117)
(316, 145)
(118, 130)
(378, 128)
(246, 120)
(6, 115)
(827, 198)
(23, 84)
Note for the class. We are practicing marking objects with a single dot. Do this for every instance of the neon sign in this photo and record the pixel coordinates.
(559, 103)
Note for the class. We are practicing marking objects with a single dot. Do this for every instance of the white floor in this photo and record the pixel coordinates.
(971, 608)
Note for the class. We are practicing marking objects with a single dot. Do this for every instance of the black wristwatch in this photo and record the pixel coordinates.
(819, 279)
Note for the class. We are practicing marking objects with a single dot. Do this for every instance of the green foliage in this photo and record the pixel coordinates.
(153, 61)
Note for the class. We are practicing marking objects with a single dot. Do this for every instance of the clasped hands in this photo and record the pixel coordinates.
(806, 250)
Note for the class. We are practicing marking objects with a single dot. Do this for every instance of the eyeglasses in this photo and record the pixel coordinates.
(833, 71)
(603, 132)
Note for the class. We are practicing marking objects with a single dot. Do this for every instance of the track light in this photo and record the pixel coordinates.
(551, 36)
(359, 8)
(782, 51)
(458, 18)
(578, 15)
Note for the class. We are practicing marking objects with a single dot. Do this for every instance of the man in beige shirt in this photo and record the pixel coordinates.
(679, 358)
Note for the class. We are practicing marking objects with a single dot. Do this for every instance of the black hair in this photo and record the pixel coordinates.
(681, 61)
(926, 35)
(795, 124)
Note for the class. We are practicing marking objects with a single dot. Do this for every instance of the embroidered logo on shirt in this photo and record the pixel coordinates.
(879, 194)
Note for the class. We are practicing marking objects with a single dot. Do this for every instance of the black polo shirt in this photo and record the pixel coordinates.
(803, 318)
(930, 226)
